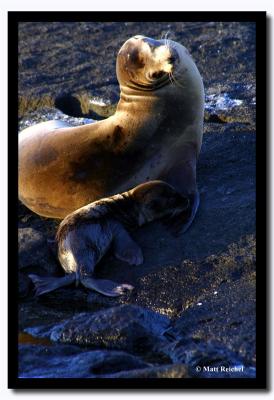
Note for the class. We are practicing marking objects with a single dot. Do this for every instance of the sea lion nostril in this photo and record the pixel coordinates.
(158, 74)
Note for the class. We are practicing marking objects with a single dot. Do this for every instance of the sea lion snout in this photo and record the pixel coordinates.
(143, 61)
(161, 46)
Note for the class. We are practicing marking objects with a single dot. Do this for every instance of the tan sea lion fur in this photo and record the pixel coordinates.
(155, 133)
(86, 235)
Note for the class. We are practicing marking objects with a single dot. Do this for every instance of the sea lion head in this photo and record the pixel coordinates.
(156, 200)
(147, 64)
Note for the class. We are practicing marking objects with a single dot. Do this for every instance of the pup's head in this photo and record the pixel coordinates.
(156, 200)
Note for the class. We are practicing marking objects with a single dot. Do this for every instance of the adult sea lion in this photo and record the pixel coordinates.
(86, 235)
(155, 133)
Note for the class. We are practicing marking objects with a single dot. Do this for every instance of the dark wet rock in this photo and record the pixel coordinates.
(126, 327)
(34, 250)
(86, 106)
(53, 308)
(167, 371)
(69, 104)
(69, 298)
(64, 361)
(97, 301)
(32, 313)
(24, 283)
(210, 359)
(106, 362)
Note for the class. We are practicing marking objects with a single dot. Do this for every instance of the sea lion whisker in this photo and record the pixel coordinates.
(170, 75)
(166, 39)
(169, 46)
(164, 35)
(176, 81)
(173, 77)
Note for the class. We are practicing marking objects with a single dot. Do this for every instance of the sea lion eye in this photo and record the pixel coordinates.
(157, 74)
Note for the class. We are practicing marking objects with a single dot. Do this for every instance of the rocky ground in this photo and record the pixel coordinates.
(194, 298)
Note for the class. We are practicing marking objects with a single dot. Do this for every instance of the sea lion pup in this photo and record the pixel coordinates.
(155, 133)
(86, 235)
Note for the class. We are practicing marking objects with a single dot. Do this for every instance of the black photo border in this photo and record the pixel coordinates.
(260, 382)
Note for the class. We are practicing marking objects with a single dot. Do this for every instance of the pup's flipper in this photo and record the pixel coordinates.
(106, 287)
(125, 248)
(45, 284)
(130, 253)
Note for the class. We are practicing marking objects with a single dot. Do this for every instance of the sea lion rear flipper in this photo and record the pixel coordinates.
(106, 287)
(48, 284)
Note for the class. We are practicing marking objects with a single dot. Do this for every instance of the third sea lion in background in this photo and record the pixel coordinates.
(155, 133)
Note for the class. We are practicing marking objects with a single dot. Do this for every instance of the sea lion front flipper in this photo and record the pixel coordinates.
(194, 202)
(44, 284)
(130, 253)
(125, 249)
(179, 224)
(106, 287)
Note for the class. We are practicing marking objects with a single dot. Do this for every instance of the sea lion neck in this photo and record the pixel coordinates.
(129, 93)
(140, 101)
